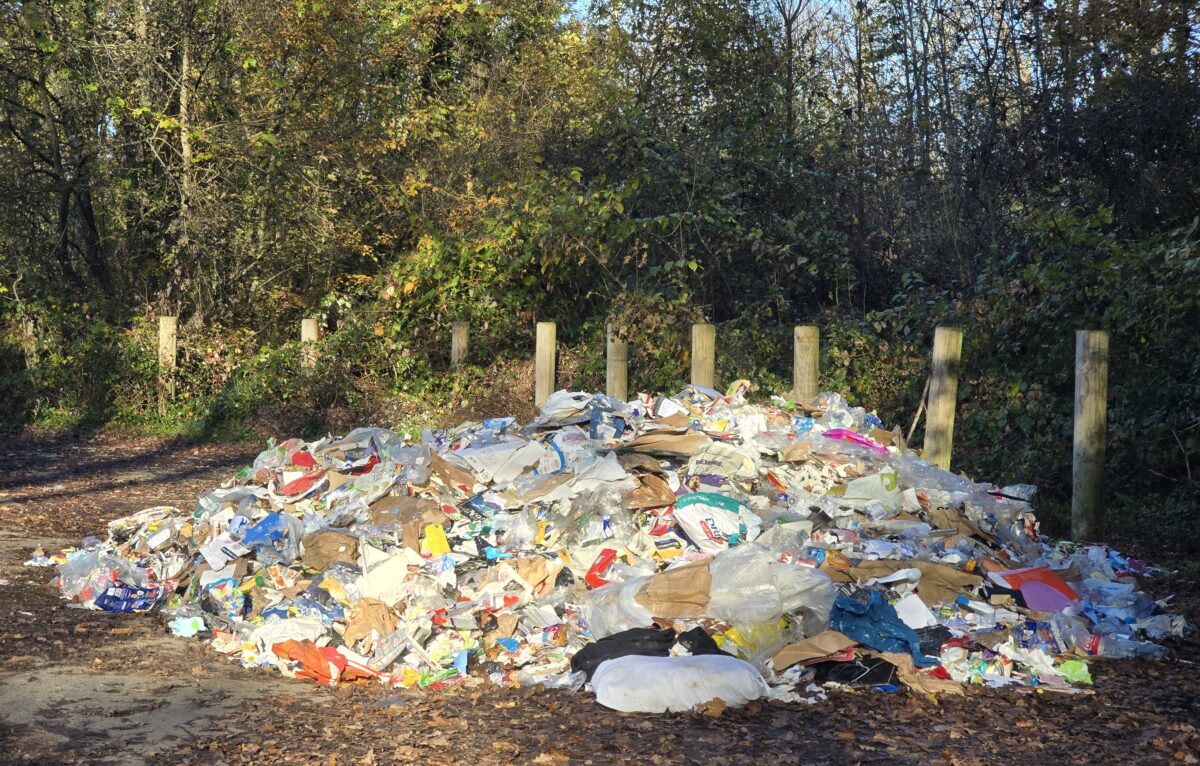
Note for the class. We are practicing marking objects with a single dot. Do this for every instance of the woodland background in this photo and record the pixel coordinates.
(1019, 168)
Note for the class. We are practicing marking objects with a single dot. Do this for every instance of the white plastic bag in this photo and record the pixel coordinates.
(635, 684)
(714, 522)
(613, 608)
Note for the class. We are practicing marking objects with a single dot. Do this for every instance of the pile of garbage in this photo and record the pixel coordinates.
(668, 551)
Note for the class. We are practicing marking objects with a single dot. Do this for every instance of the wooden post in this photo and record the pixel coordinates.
(806, 341)
(617, 371)
(704, 350)
(459, 335)
(308, 336)
(943, 395)
(543, 373)
(1091, 422)
(167, 327)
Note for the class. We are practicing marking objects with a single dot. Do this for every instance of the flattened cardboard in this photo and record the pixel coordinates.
(951, 518)
(665, 441)
(634, 461)
(938, 583)
(367, 615)
(907, 673)
(321, 549)
(797, 452)
(545, 485)
(674, 420)
(537, 572)
(652, 492)
(678, 592)
(502, 462)
(337, 479)
(813, 648)
(450, 476)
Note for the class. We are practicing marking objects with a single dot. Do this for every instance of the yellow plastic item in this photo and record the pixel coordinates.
(738, 388)
(435, 542)
(336, 589)
(409, 677)
(751, 640)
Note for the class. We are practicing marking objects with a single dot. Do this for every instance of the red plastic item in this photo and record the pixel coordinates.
(595, 575)
(664, 522)
(303, 459)
(303, 484)
(374, 461)
(324, 665)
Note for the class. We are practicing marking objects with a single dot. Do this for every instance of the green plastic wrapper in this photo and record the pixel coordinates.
(1075, 671)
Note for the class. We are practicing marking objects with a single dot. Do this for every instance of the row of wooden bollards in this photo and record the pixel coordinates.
(806, 342)
(1091, 390)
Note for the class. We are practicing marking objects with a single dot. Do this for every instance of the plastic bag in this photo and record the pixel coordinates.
(613, 608)
(853, 437)
(715, 522)
(245, 499)
(277, 456)
(186, 620)
(77, 573)
(571, 681)
(915, 472)
(521, 529)
(352, 500)
(87, 574)
(752, 587)
(882, 487)
(583, 518)
(636, 684)
(275, 539)
(837, 412)
(353, 451)
(757, 643)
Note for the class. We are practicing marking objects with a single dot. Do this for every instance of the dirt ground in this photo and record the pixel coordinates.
(85, 687)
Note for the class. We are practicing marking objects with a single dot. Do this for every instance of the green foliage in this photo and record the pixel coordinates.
(1016, 397)
(393, 167)
(658, 331)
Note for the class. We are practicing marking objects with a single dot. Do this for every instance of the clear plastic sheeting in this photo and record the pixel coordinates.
(613, 608)
(751, 586)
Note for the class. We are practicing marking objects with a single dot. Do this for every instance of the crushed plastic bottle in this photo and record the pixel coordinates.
(1071, 632)
(1122, 647)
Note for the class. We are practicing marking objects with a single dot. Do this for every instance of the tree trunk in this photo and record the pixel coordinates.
(186, 182)
(62, 239)
(88, 236)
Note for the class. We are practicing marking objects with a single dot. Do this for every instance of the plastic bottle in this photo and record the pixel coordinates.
(1119, 646)
(1071, 632)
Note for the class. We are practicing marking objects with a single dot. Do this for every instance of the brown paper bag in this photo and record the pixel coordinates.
(678, 592)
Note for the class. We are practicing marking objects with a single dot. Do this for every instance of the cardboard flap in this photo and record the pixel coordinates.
(450, 476)
(812, 648)
(322, 549)
(652, 492)
(681, 442)
(797, 452)
(678, 592)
